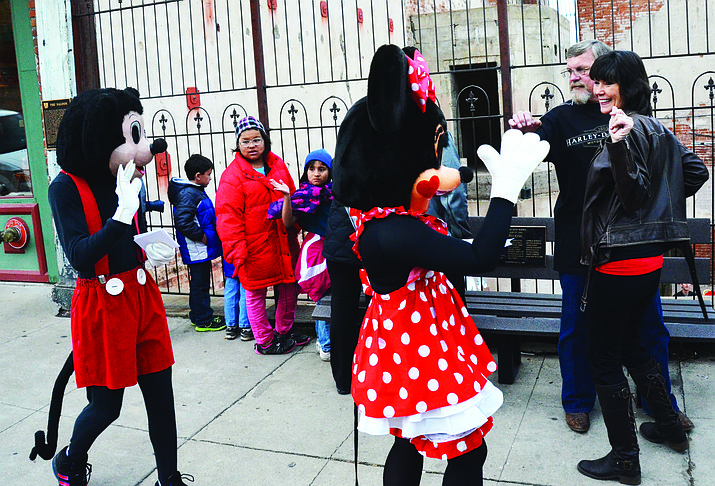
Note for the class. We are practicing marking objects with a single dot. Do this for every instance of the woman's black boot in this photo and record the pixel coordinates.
(667, 427)
(622, 463)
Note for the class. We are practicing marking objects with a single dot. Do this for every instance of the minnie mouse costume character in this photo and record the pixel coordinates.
(120, 335)
(420, 367)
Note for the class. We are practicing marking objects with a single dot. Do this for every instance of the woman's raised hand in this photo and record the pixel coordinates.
(281, 187)
(619, 125)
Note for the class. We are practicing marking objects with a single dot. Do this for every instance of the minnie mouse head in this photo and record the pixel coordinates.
(389, 146)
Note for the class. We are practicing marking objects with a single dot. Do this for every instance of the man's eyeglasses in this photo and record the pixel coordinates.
(248, 143)
(566, 73)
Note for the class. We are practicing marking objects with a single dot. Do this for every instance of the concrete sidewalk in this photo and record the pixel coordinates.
(245, 419)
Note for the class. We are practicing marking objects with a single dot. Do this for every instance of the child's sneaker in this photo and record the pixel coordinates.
(177, 479)
(70, 473)
(279, 345)
(247, 334)
(216, 324)
(324, 355)
(300, 339)
(232, 333)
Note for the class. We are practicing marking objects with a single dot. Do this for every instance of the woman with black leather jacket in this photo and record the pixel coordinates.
(634, 210)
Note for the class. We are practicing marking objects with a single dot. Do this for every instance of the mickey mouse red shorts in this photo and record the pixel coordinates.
(116, 338)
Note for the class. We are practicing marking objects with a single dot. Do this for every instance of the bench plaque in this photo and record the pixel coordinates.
(526, 246)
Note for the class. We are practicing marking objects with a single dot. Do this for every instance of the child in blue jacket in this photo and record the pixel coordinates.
(199, 244)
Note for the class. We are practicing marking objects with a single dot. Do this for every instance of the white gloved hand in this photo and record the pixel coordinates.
(520, 154)
(128, 192)
(159, 253)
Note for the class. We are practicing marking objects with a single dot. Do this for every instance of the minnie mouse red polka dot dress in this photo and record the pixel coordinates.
(420, 366)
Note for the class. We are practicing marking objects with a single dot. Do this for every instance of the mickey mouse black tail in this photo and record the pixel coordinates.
(46, 450)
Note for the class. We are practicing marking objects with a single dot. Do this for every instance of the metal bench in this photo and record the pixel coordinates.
(504, 317)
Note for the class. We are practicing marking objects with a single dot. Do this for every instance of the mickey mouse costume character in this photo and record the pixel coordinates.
(420, 367)
(120, 335)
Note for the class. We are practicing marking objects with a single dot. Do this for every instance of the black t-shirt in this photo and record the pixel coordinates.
(82, 249)
(575, 133)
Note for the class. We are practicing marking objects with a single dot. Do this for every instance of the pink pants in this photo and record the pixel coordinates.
(286, 302)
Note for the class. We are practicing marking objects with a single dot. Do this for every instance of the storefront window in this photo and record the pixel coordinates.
(14, 165)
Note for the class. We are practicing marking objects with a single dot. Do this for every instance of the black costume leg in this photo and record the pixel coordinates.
(345, 317)
(403, 466)
(159, 402)
(103, 409)
(466, 470)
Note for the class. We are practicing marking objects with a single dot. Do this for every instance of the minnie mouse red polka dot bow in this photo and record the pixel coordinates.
(420, 82)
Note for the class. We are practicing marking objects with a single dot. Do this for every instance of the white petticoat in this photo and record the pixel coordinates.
(441, 424)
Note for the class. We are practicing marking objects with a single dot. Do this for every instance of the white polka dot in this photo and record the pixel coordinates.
(442, 363)
(460, 350)
(420, 58)
(473, 359)
(462, 330)
(410, 70)
(402, 305)
(379, 309)
(375, 324)
(433, 312)
(416, 317)
(433, 329)
(433, 385)
(371, 395)
(414, 373)
(423, 296)
(373, 359)
(381, 343)
(444, 346)
(492, 366)
(421, 407)
(444, 457)
(449, 284)
(461, 446)
(403, 393)
(477, 387)
(434, 294)
(361, 376)
(452, 398)
(386, 377)
(459, 378)
(424, 350)
(451, 320)
(411, 286)
(465, 312)
(471, 370)
(429, 274)
(355, 369)
(387, 324)
(385, 296)
(405, 338)
(423, 102)
(442, 289)
(478, 340)
(445, 325)
(368, 342)
(396, 358)
(388, 412)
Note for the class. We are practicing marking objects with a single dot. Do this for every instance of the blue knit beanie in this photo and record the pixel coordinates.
(321, 155)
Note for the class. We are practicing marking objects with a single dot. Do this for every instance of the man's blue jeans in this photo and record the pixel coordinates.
(577, 391)
(234, 304)
(200, 311)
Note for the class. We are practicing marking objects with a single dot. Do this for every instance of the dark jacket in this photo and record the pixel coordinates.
(338, 246)
(194, 217)
(636, 190)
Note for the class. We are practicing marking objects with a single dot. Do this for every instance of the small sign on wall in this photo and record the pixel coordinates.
(52, 113)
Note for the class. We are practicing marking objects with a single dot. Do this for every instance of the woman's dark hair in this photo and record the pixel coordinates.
(626, 69)
(304, 177)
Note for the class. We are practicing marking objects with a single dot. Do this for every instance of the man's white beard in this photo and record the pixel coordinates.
(580, 95)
